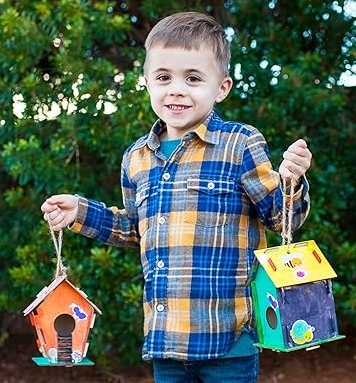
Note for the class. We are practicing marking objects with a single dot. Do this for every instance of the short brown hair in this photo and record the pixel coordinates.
(190, 30)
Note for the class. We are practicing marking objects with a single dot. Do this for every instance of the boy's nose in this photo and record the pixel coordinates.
(177, 88)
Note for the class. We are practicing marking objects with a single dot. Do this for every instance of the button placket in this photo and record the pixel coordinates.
(166, 176)
(161, 220)
(160, 307)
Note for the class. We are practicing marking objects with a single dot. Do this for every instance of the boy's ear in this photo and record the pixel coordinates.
(225, 88)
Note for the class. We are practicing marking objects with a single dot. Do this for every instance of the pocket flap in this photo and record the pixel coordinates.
(142, 193)
(211, 186)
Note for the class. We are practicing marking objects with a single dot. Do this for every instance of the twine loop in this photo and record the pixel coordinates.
(61, 270)
(287, 214)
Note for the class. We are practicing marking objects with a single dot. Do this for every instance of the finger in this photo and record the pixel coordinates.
(294, 168)
(47, 207)
(52, 202)
(300, 143)
(59, 226)
(297, 159)
(289, 170)
(53, 214)
(287, 177)
(60, 199)
(286, 174)
(58, 219)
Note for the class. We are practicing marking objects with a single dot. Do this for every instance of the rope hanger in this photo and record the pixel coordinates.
(287, 214)
(61, 270)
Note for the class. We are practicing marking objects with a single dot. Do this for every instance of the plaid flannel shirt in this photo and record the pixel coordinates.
(197, 217)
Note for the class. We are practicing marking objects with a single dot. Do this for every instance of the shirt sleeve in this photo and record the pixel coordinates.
(111, 225)
(264, 187)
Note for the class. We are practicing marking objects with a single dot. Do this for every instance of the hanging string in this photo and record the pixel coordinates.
(287, 214)
(61, 270)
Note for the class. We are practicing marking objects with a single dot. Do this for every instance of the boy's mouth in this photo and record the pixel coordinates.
(177, 107)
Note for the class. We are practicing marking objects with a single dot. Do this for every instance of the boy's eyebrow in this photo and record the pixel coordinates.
(194, 70)
(161, 70)
(185, 71)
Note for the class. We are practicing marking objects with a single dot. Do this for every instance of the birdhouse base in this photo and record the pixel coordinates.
(44, 362)
(311, 345)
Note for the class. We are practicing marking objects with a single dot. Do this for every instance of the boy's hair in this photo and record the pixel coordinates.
(191, 30)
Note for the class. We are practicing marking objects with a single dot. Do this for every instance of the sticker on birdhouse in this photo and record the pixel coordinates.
(272, 301)
(300, 273)
(302, 332)
(77, 356)
(78, 313)
(53, 355)
(292, 260)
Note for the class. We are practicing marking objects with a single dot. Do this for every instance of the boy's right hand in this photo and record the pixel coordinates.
(60, 210)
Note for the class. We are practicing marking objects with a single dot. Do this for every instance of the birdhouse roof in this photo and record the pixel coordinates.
(49, 289)
(295, 264)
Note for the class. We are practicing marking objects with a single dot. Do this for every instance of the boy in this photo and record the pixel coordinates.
(198, 193)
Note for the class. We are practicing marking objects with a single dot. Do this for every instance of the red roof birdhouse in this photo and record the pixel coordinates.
(62, 316)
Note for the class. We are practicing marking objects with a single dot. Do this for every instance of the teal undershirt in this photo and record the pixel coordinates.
(169, 146)
(243, 346)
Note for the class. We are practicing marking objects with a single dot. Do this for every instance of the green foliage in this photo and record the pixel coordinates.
(63, 139)
(66, 65)
(292, 55)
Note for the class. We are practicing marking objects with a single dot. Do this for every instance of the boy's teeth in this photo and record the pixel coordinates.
(176, 107)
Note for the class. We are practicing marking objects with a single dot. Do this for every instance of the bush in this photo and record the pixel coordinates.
(72, 101)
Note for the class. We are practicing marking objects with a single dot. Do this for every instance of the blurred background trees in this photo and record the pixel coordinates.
(72, 99)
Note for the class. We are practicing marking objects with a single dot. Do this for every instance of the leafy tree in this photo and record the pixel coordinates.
(293, 56)
(72, 100)
(58, 90)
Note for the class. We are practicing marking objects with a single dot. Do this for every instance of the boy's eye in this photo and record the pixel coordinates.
(163, 77)
(193, 79)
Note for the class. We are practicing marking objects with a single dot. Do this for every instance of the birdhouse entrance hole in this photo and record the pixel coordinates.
(271, 318)
(64, 325)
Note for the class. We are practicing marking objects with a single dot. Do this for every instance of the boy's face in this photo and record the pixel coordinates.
(183, 86)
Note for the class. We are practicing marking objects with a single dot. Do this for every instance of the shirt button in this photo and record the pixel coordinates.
(166, 176)
(160, 264)
(160, 307)
(211, 185)
(161, 220)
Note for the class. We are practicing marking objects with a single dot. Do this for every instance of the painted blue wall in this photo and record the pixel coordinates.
(312, 305)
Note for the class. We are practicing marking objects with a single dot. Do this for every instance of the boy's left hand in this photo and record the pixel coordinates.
(296, 161)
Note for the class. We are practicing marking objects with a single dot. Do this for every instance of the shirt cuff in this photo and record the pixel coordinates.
(300, 189)
(89, 217)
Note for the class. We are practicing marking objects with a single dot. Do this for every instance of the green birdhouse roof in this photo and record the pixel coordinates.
(295, 264)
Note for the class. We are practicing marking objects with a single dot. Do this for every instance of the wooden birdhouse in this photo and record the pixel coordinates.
(292, 297)
(62, 316)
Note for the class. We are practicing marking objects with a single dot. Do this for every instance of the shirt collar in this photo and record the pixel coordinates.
(207, 131)
(153, 141)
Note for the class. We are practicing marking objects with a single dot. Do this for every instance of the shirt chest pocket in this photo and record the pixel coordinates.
(210, 201)
(141, 202)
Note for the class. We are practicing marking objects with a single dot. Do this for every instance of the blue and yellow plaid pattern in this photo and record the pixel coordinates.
(197, 218)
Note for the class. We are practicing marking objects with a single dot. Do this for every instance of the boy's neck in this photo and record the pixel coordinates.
(172, 134)
(169, 136)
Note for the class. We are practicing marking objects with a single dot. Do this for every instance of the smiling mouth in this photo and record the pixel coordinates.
(177, 107)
